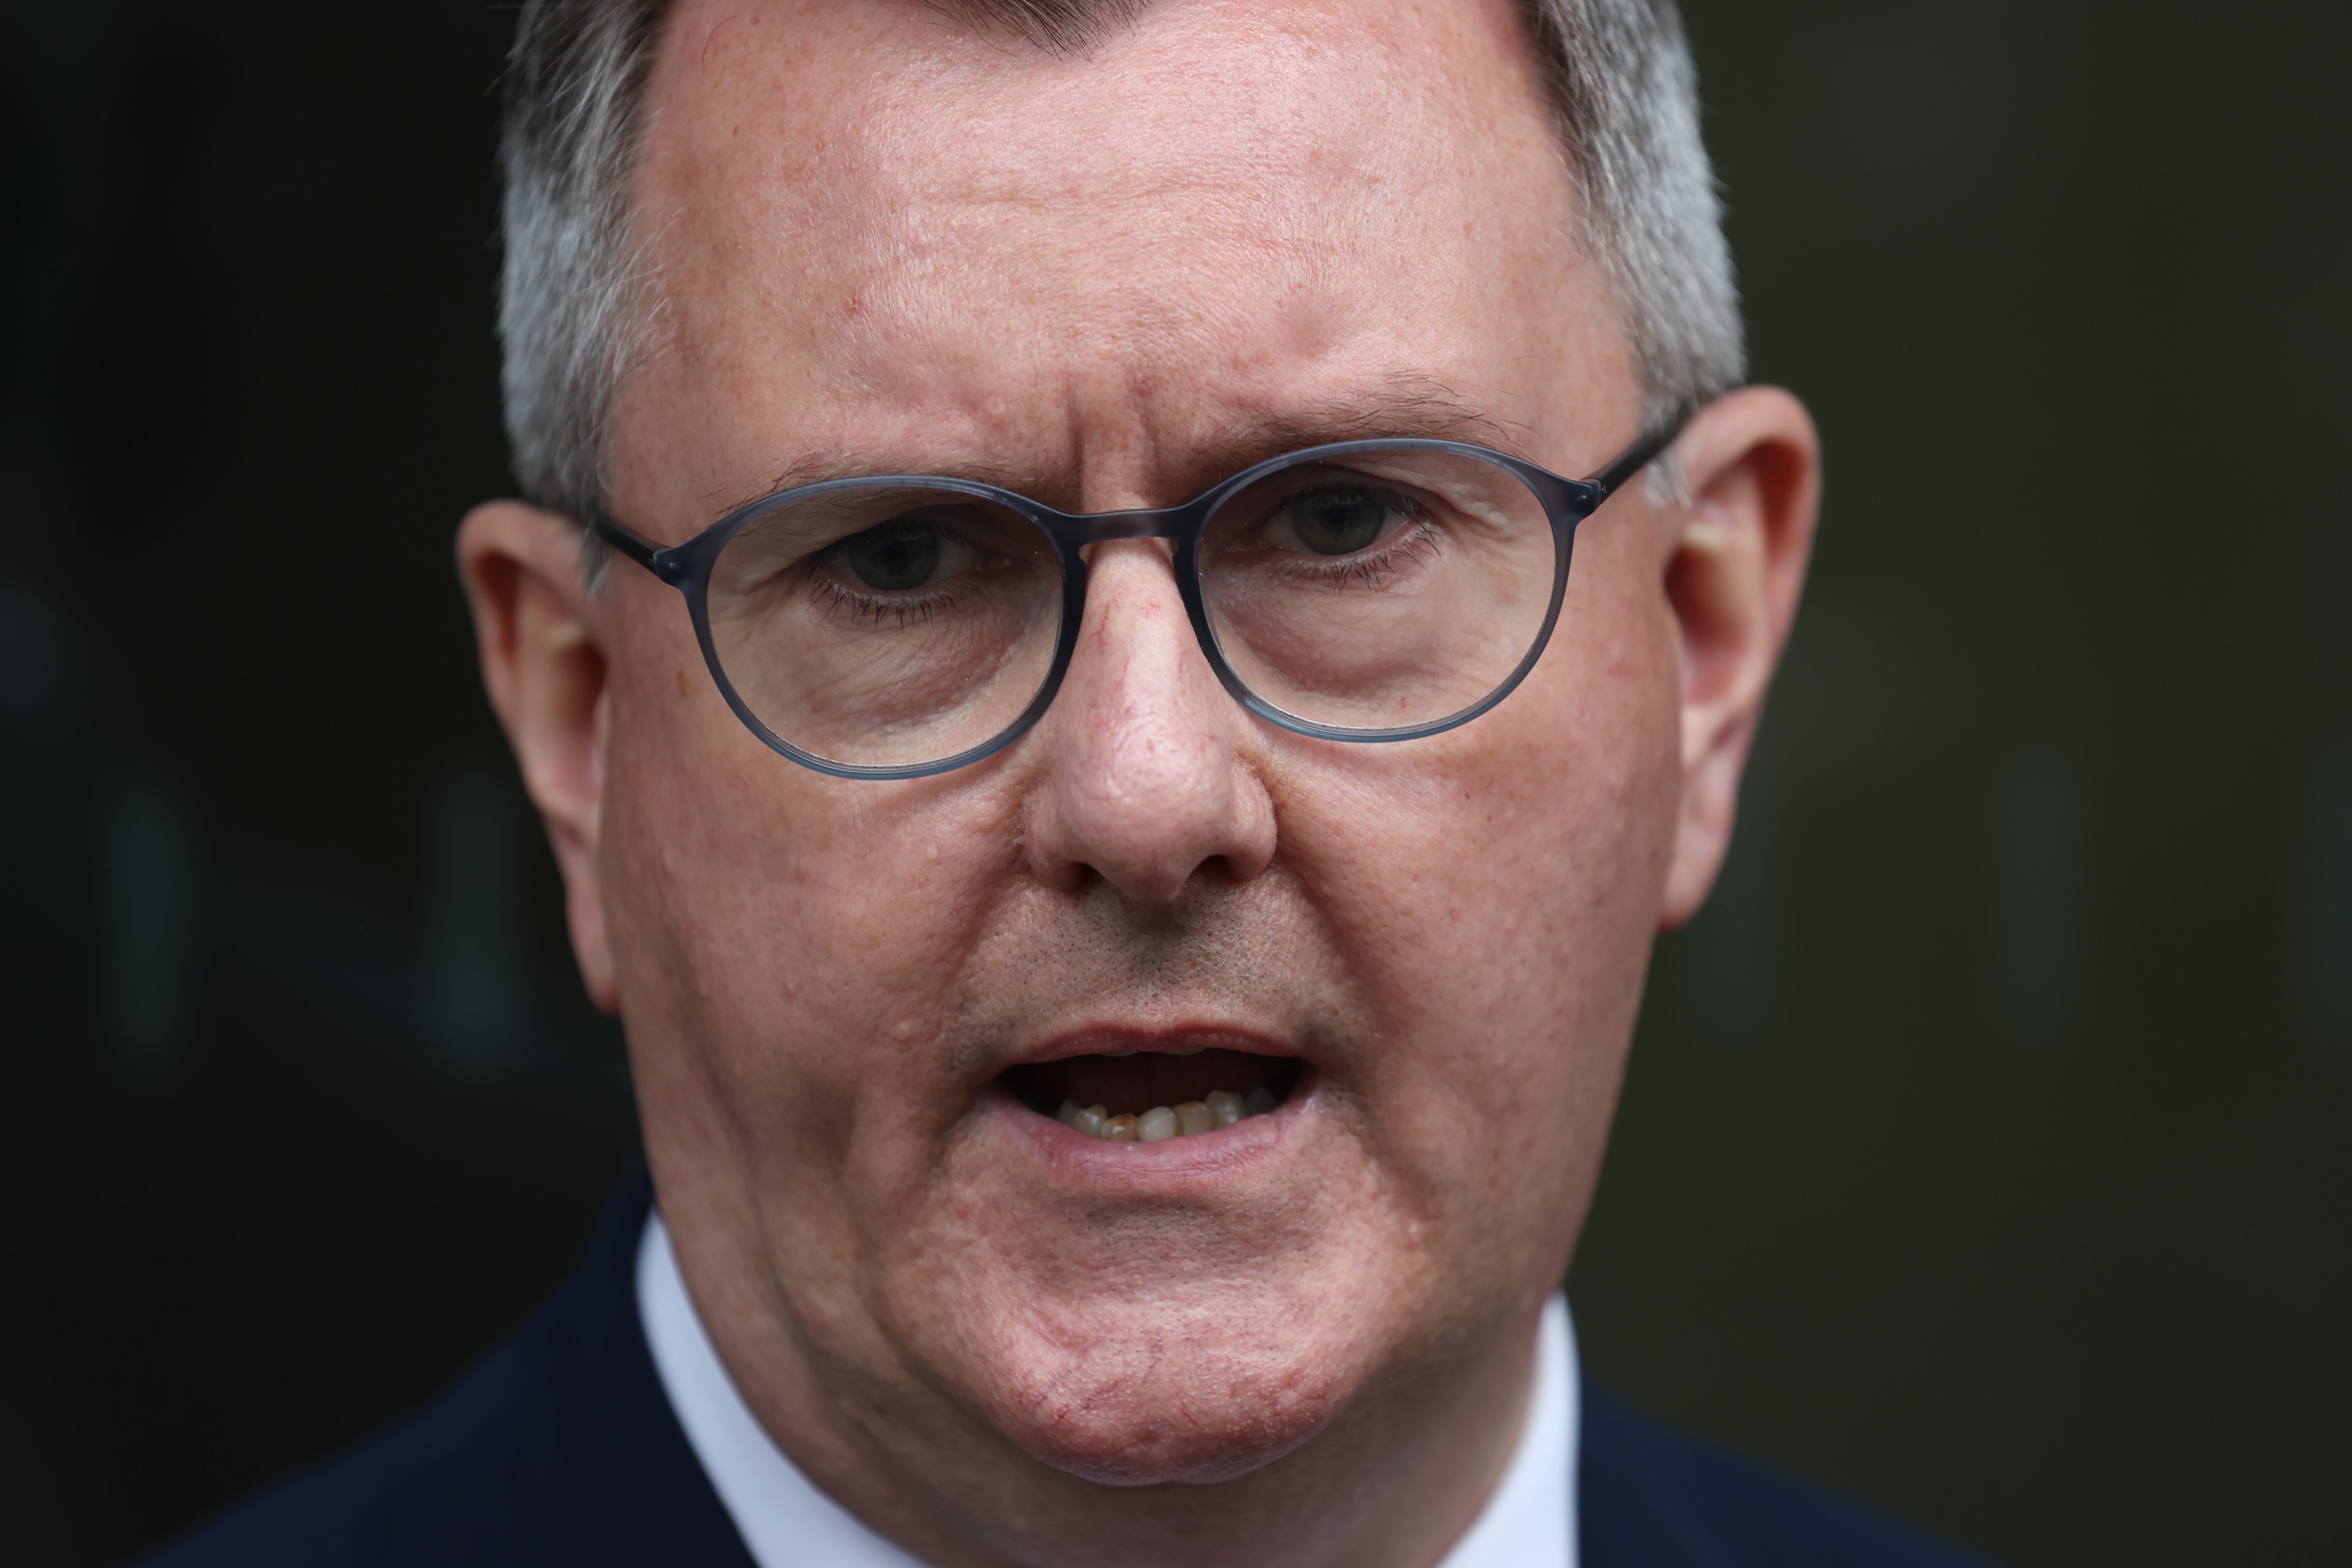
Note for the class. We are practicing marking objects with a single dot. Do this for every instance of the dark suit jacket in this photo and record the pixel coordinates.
(559, 1449)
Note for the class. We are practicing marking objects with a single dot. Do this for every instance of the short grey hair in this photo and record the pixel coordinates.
(1620, 78)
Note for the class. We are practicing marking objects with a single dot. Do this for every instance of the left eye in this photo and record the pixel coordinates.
(1336, 521)
(902, 556)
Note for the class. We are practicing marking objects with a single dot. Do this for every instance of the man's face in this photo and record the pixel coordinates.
(881, 243)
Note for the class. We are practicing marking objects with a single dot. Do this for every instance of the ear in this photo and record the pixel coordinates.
(1734, 564)
(543, 662)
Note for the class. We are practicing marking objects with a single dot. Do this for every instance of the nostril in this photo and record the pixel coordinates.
(1147, 824)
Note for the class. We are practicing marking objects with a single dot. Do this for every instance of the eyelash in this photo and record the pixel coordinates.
(869, 607)
(874, 608)
(1422, 541)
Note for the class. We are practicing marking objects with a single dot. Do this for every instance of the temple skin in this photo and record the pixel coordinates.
(878, 240)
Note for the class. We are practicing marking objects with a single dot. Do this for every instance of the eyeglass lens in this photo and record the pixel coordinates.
(1391, 590)
(896, 626)
(886, 627)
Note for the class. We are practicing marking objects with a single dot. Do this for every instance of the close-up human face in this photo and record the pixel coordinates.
(864, 1016)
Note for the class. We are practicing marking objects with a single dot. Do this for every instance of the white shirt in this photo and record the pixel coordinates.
(786, 1522)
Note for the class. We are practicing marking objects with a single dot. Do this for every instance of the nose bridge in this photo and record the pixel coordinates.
(1146, 784)
(1143, 522)
(1137, 685)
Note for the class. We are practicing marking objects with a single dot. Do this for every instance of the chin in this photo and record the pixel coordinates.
(1159, 1396)
(1188, 1312)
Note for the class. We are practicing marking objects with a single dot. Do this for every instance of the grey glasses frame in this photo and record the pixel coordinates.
(1568, 502)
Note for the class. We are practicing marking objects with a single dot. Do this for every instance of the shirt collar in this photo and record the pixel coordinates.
(784, 1520)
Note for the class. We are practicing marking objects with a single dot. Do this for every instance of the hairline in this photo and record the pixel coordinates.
(1667, 278)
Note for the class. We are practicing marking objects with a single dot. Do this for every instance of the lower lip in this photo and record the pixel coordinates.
(1198, 1158)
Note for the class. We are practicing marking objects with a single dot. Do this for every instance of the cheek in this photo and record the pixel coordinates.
(784, 939)
(1496, 891)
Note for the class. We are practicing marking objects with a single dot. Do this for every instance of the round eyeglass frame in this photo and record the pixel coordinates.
(1566, 503)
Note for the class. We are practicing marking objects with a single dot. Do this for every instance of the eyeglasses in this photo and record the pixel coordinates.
(900, 625)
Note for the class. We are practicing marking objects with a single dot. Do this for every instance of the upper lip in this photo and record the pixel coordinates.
(1101, 1040)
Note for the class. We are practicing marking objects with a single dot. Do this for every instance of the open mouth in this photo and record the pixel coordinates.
(1143, 1097)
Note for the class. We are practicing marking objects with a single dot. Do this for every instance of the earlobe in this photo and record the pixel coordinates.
(543, 668)
(1734, 566)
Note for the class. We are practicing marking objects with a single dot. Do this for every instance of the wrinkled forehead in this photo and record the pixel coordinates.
(931, 219)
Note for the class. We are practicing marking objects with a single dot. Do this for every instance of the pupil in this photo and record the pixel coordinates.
(896, 559)
(1338, 522)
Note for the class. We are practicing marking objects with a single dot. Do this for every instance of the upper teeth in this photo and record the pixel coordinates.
(1219, 1109)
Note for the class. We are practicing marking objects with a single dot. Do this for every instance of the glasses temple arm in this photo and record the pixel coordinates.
(628, 543)
(1639, 456)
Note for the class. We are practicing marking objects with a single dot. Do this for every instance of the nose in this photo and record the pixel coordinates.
(1148, 783)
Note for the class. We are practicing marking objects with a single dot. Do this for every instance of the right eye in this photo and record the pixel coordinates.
(903, 555)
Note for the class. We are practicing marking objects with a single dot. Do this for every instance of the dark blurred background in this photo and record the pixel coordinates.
(1984, 1150)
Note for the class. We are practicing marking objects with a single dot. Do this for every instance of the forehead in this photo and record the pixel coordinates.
(871, 228)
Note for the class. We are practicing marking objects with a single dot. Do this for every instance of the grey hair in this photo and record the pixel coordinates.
(1622, 81)
(568, 151)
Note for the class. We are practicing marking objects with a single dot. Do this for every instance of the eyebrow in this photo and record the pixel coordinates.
(1403, 408)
